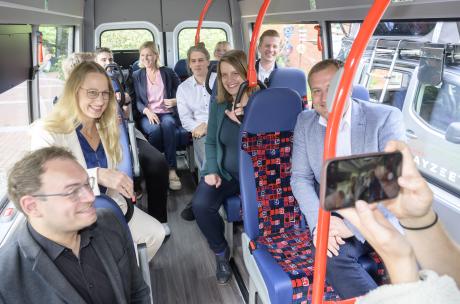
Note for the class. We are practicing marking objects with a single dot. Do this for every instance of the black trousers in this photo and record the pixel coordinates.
(206, 203)
(155, 171)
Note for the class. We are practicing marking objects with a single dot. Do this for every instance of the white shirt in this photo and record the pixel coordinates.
(193, 102)
(264, 74)
(343, 144)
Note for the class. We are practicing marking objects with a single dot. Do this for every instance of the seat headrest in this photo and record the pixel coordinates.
(181, 69)
(272, 110)
(291, 78)
(135, 66)
(360, 92)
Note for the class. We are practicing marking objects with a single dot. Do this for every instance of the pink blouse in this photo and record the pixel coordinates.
(155, 94)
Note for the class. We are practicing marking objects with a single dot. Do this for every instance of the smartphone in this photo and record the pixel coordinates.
(369, 177)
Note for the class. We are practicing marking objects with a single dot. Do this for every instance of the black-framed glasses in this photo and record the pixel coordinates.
(94, 94)
(77, 194)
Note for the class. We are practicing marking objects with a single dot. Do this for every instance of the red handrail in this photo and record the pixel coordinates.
(252, 74)
(200, 21)
(367, 28)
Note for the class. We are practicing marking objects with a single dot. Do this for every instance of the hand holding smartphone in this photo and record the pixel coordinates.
(369, 177)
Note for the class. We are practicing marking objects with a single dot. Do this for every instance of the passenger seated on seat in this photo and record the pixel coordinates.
(424, 242)
(65, 251)
(156, 88)
(153, 164)
(269, 49)
(365, 128)
(221, 48)
(85, 122)
(220, 172)
(193, 105)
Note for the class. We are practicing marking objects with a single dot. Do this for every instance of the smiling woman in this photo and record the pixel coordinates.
(85, 122)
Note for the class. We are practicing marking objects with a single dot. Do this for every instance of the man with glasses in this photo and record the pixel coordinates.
(65, 251)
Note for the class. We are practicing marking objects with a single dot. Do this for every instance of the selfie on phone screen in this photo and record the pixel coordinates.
(370, 178)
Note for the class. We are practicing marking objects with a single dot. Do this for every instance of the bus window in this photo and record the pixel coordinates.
(439, 106)
(396, 90)
(14, 121)
(125, 39)
(338, 34)
(57, 45)
(210, 37)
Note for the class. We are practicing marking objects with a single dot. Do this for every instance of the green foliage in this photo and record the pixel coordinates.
(125, 39)
(210, 37)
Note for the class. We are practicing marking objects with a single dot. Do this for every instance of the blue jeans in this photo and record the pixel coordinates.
(162, 136)
(206, 203)
(348, 278)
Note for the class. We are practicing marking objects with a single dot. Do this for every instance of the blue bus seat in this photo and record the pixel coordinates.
(271, 216)
(291, 78)
(182, 70)
(360, 92)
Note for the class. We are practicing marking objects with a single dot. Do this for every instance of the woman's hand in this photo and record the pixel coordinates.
(170, 103)
(117, 180)
(413, 204)
(238, 111)
(213, 180)
(153, 118)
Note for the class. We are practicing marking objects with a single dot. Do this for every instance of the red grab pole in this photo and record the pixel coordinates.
(252, 74)
(200, 21)
(367, 28)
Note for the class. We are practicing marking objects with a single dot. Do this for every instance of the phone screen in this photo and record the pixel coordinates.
(370, 177)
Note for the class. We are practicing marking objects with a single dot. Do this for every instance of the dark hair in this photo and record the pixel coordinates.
(25, 176)
(324, 64)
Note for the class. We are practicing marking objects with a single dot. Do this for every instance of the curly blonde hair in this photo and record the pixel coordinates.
(67, 115)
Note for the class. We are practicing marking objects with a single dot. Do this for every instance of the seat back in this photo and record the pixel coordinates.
(360, 92)
(268, 146)
(105, 202)
(181, 69)
(291, 78)
(125, 165)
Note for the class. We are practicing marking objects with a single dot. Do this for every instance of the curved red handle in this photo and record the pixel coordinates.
(200, 21)
(252, 74)
(319, 43)
(367, 28)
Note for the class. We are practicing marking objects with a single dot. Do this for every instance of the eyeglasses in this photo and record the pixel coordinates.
(77, 194)
(94, 94)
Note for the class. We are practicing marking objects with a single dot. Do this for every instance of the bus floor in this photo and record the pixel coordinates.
(183, 270)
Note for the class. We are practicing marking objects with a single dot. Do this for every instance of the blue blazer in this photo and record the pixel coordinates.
(170, 81)
(372, 126)
(30, 276)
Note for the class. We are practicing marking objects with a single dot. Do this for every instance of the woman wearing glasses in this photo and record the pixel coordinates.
(85, 122)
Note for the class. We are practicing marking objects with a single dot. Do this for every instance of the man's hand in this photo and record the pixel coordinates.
(337, 232)
(200, 130)
(213, 180)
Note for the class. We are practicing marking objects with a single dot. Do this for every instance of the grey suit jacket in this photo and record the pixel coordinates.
(28, 275)
(372, 126)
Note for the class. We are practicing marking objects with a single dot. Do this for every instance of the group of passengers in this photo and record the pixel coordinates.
(60, 245)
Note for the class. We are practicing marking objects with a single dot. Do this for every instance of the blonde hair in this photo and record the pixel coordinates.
(73, 60)
(151, 46)
(236, 59)
(222, 44)
(66, 115)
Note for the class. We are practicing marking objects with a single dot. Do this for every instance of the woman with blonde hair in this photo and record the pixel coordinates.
(220, 172)
(221, 48)
(85, 121)
(156, 88)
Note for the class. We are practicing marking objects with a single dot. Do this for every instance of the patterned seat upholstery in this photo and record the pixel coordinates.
(279, 217)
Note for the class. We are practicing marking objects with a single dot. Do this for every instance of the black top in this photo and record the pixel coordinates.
(228, 136)
(86, 274)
